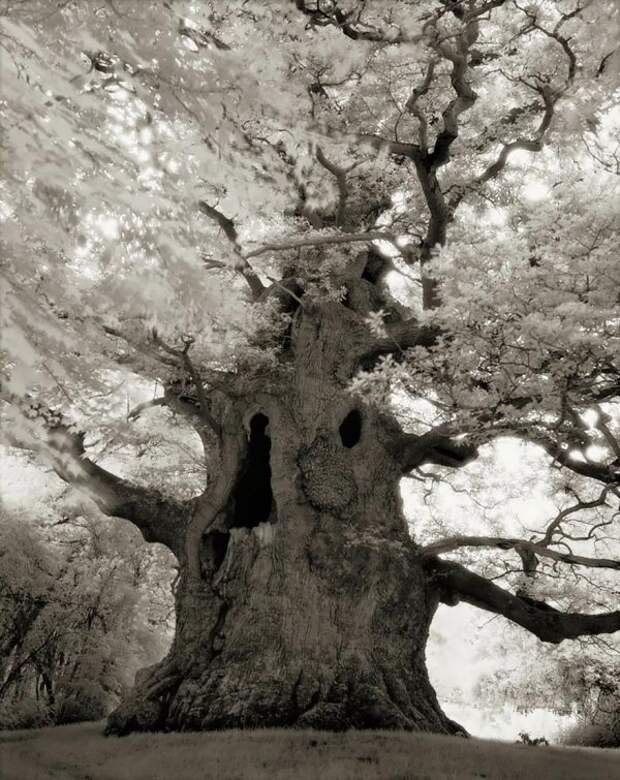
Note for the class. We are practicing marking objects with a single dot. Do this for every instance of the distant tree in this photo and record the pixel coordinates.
(74, 625)
(345, 242)
(578, 679)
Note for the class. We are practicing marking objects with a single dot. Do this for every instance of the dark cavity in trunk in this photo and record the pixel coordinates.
(252, 498)
(351, 429)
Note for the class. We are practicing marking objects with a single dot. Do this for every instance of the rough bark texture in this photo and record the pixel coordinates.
(312, 607)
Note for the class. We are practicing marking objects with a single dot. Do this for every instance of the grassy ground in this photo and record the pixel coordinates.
(82, 753)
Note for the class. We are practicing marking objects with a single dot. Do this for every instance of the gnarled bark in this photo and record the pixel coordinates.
(311, 606)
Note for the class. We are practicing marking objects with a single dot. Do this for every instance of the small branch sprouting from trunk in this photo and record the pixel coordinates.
(400, 336)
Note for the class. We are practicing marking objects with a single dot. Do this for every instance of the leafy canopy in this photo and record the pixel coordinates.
(172, 163)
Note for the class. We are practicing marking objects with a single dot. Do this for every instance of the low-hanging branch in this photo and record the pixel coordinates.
(455, 583)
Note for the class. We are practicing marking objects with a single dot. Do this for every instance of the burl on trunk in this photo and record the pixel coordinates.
(301, 600)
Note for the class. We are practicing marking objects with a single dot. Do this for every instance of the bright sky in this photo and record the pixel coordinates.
(457, 659)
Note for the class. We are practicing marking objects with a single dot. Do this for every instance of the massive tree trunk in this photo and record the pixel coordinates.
(306, 602)
(302, 599)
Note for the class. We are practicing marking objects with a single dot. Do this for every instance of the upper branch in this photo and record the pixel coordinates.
(548, 624)
(608, 474)
(464, 95)
(412, 107)
(533, 143)
(340, 174)
(548, 95)
(428, 163)
(437, 446)
(346, 238)
(242, 266)
(350, 23)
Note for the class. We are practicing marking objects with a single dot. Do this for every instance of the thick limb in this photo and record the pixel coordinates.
(435, 446)
(160, 519)
(456, 583)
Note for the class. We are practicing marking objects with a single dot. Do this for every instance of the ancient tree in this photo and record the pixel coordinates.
(287, 215)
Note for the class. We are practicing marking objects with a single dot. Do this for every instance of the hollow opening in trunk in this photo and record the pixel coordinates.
(252, 496)
(216, 547)
(351, 429)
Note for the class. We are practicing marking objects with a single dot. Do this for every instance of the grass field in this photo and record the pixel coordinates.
(82, 753)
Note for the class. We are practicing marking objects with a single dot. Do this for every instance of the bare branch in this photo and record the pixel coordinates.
(556, 523)
(340, 174)
(346, 238)
(137, 410)
(519, 545)
(242, 266)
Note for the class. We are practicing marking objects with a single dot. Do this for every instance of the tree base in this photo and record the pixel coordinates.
(162, 700)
